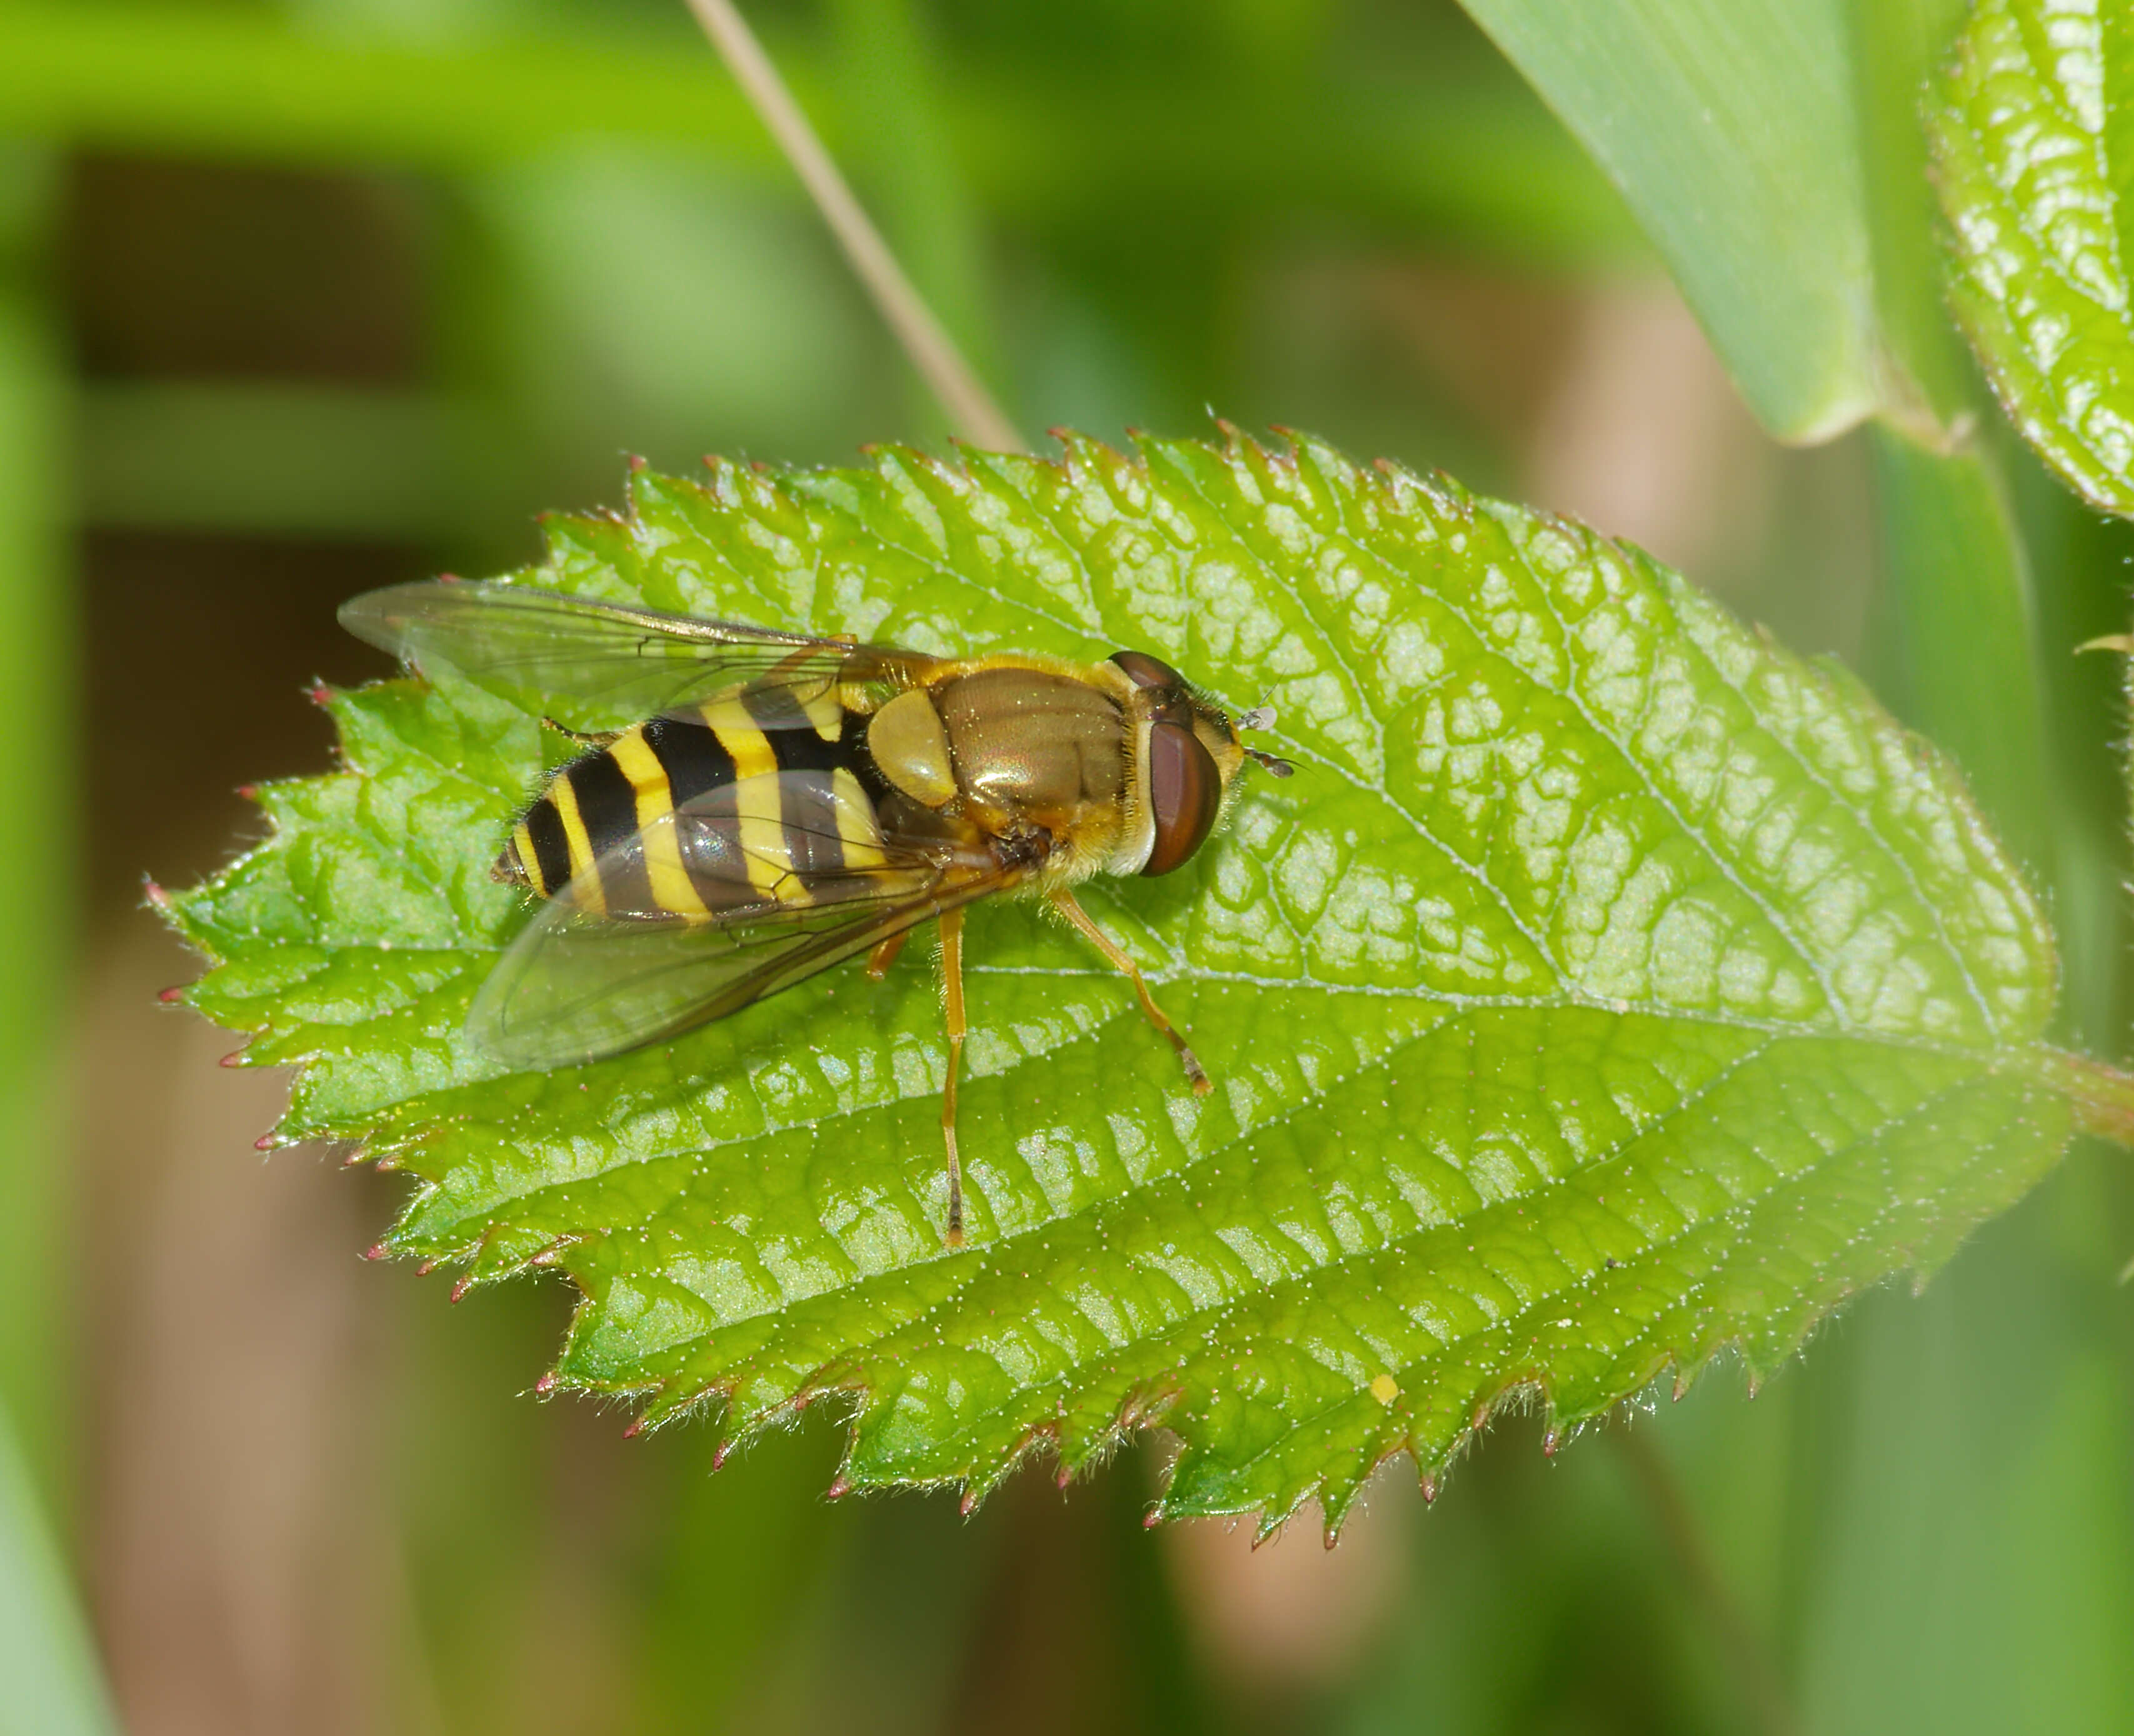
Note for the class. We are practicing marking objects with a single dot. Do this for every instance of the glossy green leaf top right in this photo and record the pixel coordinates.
(2034, 145)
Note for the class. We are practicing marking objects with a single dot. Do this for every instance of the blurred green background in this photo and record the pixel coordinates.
(299, 298)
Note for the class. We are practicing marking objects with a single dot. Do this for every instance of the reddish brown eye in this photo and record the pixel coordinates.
(1147, 671)
(1184, 794)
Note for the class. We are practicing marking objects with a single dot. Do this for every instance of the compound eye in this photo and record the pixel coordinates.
(1147, 671)
(1185, 795)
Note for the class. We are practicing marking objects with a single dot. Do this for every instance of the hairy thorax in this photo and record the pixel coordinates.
(1013, 749)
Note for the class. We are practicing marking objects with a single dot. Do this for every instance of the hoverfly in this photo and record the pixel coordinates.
(791, 801)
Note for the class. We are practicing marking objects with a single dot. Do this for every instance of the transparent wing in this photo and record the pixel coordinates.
(586, 978)
(636, 663)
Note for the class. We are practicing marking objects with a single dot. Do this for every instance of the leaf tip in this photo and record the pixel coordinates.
(265, 1142)
(545, 1386)
(234, 1058)
(635, 1427)
(175, 993)
(841, 1486)
(970, 1504)
(376, 1250)
(155, 894)
(1151, 1519)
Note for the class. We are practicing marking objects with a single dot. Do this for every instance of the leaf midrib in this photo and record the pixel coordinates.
(1188, 1334)
(982, 1259)
(1993, 1057)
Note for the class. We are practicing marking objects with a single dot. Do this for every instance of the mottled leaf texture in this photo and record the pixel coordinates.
(2034, 143)
(1607, 988)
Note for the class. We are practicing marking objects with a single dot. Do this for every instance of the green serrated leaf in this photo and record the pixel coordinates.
(2032, 140)
(1607, 988)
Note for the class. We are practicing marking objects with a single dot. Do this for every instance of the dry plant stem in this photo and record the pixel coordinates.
(1758, 1677)
(933, 352)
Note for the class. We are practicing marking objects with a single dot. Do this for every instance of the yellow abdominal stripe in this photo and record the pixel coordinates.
(856, 827)
(672, 888)
(590, 895)
(530, 862)
(827, 712)
(755, 800)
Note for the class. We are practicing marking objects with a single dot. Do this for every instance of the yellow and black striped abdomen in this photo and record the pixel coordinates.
(751, 801)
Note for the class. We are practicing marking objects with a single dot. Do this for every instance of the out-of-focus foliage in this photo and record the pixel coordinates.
(1689, 104)
(44, 1657)
(1610, 989)
(2033, 138)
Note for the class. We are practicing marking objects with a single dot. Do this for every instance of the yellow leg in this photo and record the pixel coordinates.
(1063, 900)
(885, 955)
(952, 975)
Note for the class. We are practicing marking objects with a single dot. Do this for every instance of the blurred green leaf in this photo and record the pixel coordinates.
(1729, 126)
(1459, 153)
(53, 1688)
(317, 460)
(1607, 988)
(36, 662)
(2034, 164)
(1954, 591)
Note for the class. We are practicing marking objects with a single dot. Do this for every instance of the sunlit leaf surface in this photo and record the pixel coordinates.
(2036, 161)
(1607, 988)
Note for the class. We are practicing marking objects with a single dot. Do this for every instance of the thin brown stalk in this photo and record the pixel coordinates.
(933, 352)
(2102, 1095)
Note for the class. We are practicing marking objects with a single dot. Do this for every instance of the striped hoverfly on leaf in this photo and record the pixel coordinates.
(792, 801)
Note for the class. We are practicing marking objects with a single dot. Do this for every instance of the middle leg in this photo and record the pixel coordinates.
(952, 977)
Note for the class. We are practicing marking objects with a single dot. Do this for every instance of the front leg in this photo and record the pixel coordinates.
(1063, 902)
